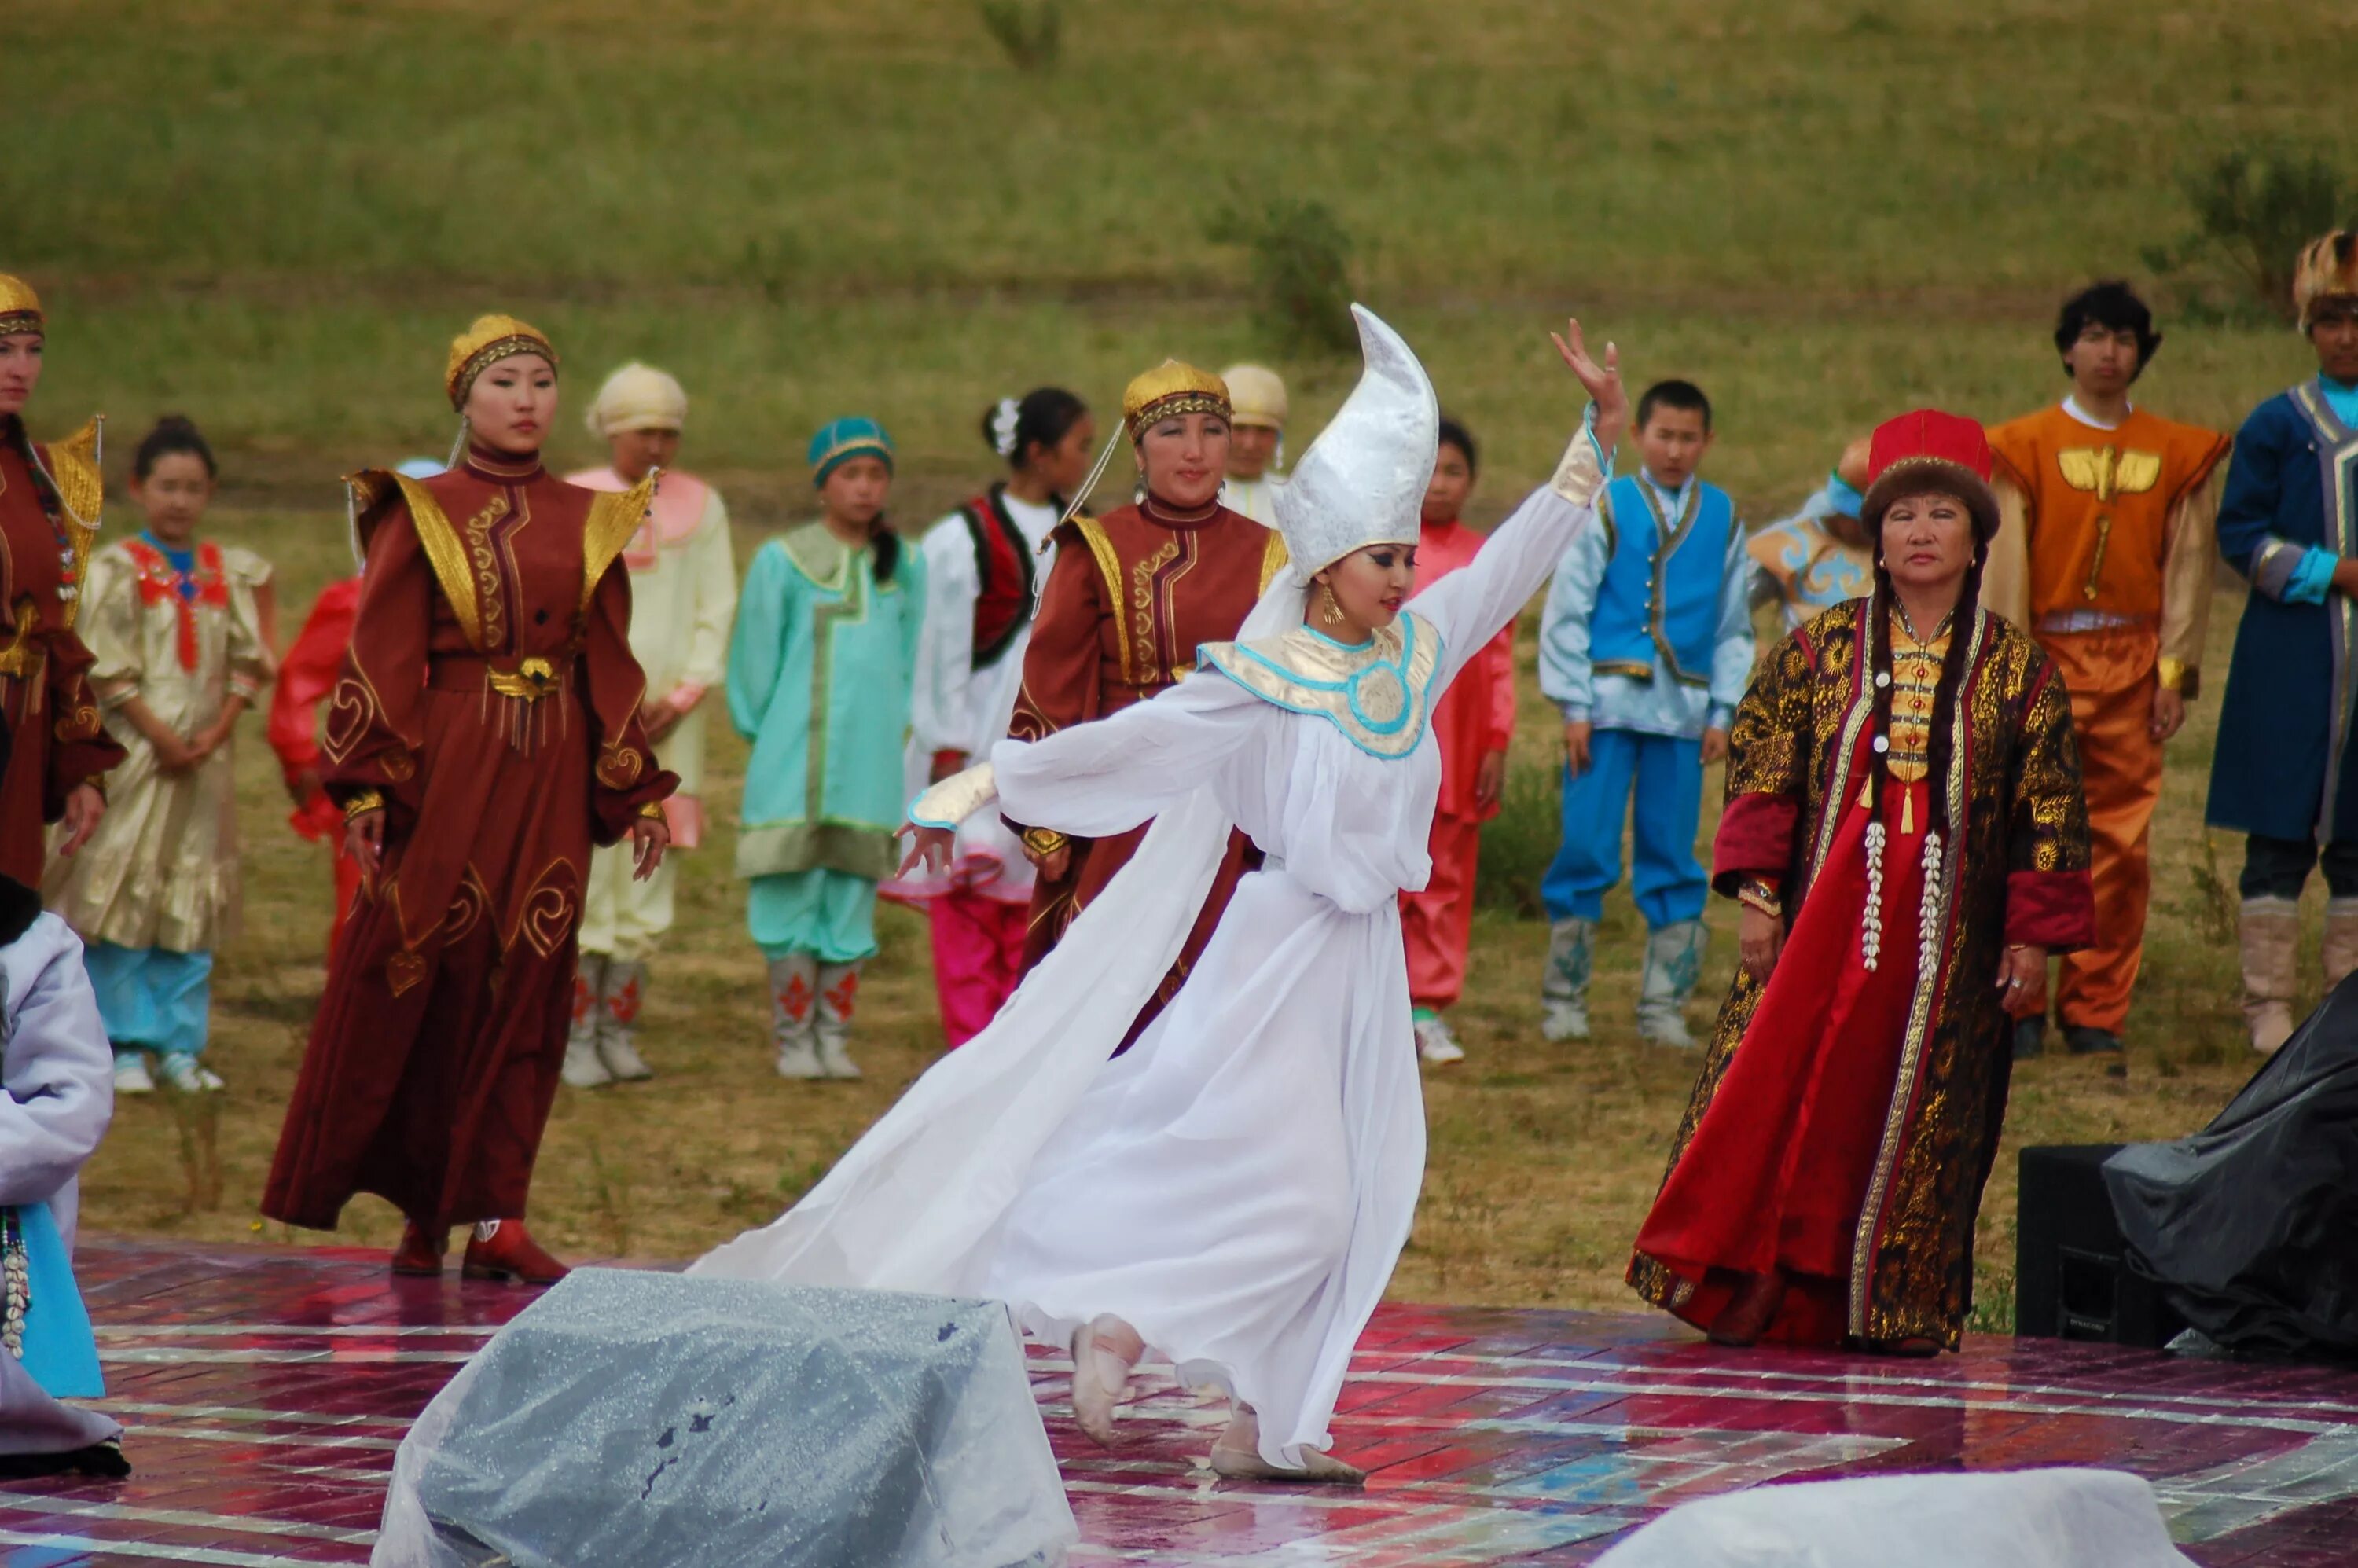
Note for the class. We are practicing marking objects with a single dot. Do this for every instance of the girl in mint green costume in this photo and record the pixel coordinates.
(820, 672)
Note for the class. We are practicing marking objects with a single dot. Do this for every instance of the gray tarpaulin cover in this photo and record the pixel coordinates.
(2020, 1518)
(633, 1419)
(2251, 1224)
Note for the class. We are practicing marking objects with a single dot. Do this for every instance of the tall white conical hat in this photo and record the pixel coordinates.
(1362, 482)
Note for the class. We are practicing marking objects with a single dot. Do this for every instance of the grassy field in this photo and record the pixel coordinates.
(273, 217)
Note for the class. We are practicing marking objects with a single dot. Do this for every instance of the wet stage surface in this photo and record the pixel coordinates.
(265, 1390)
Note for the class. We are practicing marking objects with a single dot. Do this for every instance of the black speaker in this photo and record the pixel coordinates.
(2072, 1279)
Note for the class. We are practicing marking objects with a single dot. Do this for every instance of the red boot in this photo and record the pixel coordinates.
(509, 1252)
(419, 1255)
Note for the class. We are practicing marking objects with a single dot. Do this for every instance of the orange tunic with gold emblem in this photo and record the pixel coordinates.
(2105, 555)
(1131, 596)
(490, 704)
(49, 518)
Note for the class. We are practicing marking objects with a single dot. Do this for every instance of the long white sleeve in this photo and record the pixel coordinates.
(711, 563)
(1469, 607)
(940, 706)
(57, 1075)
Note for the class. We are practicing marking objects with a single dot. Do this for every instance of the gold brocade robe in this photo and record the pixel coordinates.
(2016, 874)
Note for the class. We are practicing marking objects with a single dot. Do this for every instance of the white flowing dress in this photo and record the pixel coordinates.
(1237, 1186)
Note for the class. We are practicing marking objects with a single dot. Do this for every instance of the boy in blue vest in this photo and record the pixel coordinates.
(1647, 645)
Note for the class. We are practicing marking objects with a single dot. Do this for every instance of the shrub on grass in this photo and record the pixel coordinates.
(1300, 257)
(1031, 31)
(1518, 843)
(2256, 208)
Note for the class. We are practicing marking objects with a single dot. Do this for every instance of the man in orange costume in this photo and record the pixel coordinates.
(2105, 556)
(1131, 597)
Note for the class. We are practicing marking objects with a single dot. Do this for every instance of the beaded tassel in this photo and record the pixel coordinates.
(1870, 935)
(1928, 913)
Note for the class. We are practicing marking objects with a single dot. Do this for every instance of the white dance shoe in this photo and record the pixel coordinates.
(1236, 1456)
(1099, 1375)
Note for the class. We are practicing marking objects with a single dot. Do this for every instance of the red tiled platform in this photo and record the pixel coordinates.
(265, 1391)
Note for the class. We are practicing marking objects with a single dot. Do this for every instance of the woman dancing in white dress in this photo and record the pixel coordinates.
(1233, 1191)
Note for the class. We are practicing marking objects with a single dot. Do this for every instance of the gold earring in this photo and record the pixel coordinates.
(1332, 614)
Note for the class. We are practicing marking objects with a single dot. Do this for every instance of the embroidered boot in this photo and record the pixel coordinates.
(420, 1252)
(1673, 963)
(619, 998)
(2341, 952)
(505, 1249)
(582, 1069)
(839, 992)
(2270, 930)
(793, 1015)
(1563, 986)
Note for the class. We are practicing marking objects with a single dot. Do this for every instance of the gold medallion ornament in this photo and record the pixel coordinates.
(1172, 388)
(20, 307)
(491, 339)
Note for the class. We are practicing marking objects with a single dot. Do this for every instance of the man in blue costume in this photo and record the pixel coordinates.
(2283, 773)
(1645, 645)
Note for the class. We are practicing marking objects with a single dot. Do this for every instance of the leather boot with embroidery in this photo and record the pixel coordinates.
(619, 1000)
(838, 993)
(582, 1069)
(793, 1015)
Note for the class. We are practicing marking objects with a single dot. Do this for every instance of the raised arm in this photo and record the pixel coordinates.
(1469, 607)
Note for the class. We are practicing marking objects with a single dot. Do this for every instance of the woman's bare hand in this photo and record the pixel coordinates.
(650, 837)
(84, 806)
(1759, 938)
(1602, 381)
(2022, 975)
(928, 848)
(364, 840)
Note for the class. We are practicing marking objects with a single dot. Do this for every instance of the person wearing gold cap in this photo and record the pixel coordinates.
(1819, 556)
(1256, 442)
(1131, 597)
(1235, 1190)
(49, 498)
(485, 734)
(2283, 773)
(682, 592)
(1905, 837)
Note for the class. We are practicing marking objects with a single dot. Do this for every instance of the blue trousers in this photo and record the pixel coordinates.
(151, 998)
(1666, 771)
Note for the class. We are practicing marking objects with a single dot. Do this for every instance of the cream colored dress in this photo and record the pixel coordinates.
(161, 870)
(683, 594)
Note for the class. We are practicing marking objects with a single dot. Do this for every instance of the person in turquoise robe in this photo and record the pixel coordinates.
(820, 674)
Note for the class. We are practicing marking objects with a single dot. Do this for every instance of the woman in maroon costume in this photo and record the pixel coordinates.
(49, 498)
(484, 732)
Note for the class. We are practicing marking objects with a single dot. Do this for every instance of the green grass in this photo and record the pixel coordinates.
(273, 217)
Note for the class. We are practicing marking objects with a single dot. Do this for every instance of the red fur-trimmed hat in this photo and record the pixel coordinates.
(1926, 450)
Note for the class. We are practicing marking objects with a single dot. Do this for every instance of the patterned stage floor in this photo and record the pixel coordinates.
(265, 1390)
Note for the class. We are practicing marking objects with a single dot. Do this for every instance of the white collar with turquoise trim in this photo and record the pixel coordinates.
(1379, 693)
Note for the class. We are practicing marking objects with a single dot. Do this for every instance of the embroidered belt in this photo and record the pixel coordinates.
(2064, 622)
(21, 655)
(530, 678)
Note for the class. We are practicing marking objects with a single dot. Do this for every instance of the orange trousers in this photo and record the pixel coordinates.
(2112, 677)
(1438, 922)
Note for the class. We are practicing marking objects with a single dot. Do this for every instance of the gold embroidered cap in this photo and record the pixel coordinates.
(1256, 397)
(2328, 266)
(1171, 387)
(491, 339)
(20, 307)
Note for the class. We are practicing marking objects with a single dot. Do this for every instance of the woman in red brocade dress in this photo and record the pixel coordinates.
(49, 497)
(1906, 832)
(483, 734)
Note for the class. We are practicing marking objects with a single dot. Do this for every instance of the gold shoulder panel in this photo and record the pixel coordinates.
(1100, 544)
(614, 516)
(447, 553)
(1274, 558)
(1379, 695)
(82, 487)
